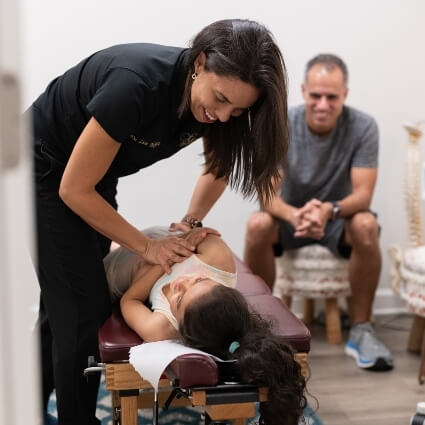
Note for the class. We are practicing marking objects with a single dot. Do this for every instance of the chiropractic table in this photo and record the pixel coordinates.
(194, 379)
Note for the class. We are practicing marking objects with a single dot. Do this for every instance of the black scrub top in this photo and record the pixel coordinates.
(133, 91)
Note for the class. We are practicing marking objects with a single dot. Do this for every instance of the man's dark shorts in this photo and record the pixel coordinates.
(333, 239)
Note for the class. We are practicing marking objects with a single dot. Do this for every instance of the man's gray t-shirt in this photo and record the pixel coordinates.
(319, 167)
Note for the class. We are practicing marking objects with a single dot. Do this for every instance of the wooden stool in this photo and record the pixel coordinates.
(314, 272)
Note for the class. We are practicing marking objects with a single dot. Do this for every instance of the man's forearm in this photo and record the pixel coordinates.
(363, 182)
(354, 203)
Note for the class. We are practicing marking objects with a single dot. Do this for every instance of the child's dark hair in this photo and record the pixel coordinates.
(223, 316)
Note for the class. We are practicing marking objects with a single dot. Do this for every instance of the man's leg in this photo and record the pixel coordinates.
(262, 232)
(362, 234)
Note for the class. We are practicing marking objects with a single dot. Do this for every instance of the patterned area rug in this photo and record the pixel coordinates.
(172, 416)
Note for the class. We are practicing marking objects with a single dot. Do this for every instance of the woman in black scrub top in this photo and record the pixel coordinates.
(114, 113)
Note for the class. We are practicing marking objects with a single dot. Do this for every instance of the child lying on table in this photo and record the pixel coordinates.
(198, 305)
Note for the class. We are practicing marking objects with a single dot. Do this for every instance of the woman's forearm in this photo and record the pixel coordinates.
(207, 190)
(93, 209)
(91, 158)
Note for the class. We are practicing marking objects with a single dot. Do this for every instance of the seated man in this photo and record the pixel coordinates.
(328, 183)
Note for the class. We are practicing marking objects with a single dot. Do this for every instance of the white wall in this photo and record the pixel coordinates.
(382, 43)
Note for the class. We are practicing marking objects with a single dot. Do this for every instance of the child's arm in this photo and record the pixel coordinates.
(150, 326)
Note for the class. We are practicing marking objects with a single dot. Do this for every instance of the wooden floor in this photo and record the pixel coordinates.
(348, 395)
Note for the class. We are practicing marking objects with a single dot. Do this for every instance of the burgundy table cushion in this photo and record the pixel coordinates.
(247, 282)
(250, 284)
(115, 338)
(284, 322)
(194, 370)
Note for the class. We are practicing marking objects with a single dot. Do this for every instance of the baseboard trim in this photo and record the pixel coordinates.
(386, 302)
(389, 311)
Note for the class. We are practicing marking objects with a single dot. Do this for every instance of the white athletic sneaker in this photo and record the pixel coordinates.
(368, 351)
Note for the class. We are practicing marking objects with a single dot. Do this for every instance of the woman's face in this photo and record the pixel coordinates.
(215, 97)
(186, 289)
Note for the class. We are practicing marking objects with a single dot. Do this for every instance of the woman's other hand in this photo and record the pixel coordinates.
(167, 251)
(181, 226)
(197, 235)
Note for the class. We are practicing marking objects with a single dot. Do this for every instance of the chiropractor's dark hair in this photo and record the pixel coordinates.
(247, 151)
(222, 317)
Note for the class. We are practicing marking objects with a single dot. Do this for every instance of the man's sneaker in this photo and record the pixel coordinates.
(364, 346)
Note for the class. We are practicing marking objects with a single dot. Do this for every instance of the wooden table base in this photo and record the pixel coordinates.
(130, 392)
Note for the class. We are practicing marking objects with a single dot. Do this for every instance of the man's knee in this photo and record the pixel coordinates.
(363, 230)
(261, 227)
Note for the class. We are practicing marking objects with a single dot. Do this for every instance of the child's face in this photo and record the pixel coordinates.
(186, 289)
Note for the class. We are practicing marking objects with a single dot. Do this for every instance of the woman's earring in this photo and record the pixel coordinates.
(194, 75)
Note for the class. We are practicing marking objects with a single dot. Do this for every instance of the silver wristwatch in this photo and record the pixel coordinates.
(336, 210)
(192, 221)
